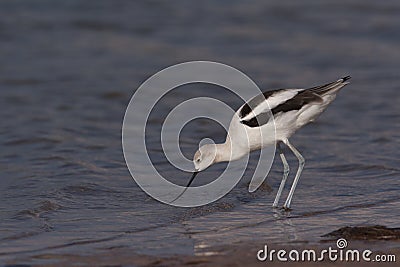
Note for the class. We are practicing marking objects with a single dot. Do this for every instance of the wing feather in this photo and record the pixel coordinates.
(260, 109)
(266, 101)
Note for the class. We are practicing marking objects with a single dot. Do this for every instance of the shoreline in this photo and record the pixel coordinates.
(244, 254)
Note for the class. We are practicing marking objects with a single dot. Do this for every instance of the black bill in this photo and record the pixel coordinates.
(187, 186)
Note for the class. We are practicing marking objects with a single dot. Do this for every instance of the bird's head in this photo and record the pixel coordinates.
(205, 157)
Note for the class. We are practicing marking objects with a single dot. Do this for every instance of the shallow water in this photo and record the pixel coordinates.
(68, 70)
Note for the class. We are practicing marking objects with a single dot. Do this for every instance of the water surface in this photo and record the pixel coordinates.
(69, 68)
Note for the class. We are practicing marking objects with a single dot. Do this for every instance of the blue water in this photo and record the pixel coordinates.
(69, 68)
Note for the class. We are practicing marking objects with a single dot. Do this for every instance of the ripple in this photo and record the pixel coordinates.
(114, 95)
(44, 207)
(96, 25)
(354, 166)
(32, 140)
(86, 189)
(19, 236)
(26, 81)
(348, 207)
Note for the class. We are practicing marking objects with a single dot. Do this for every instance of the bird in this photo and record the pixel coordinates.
(267, 119)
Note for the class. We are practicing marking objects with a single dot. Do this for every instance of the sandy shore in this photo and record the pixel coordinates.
(238, 255)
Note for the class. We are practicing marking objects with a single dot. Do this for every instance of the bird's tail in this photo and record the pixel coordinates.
(330, 87)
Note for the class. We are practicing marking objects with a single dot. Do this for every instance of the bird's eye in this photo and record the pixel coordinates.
(198, 160)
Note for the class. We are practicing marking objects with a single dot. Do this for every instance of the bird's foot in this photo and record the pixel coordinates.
(286, 208)
(283, 208)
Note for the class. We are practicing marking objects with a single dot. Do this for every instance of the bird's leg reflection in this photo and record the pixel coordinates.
(285, 224)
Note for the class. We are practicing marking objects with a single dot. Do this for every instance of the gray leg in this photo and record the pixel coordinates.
(299, 170)
(285, 175)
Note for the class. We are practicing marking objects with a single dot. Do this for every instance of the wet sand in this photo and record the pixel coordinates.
(378, 239)
(238, 255)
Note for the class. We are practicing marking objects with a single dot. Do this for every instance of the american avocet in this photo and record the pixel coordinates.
(252, 124)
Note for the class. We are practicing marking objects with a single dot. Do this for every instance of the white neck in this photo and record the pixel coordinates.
(224, 152)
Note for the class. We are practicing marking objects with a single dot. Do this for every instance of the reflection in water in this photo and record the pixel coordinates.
(286, 225)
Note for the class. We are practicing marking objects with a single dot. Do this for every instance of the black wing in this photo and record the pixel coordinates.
(296, 102)
(326, 88)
